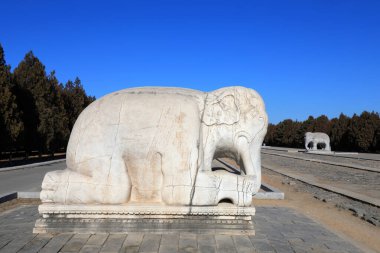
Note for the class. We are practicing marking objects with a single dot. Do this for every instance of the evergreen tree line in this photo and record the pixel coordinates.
(357, 133)
(37, 112)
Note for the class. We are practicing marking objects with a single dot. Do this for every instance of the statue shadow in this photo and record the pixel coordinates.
(230, 170)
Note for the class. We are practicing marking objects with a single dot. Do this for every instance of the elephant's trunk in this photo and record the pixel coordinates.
(252, 164)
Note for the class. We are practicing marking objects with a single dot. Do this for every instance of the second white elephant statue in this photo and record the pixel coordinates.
(313, 139)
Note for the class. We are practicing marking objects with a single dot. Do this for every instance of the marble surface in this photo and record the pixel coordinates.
(156, 145)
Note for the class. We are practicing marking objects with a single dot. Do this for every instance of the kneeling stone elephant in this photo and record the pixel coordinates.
(315, 139)
(156, 145)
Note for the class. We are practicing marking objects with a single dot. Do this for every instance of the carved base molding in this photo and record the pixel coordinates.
(223, 219)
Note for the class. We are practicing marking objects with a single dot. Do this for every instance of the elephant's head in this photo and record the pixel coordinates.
(234, 124)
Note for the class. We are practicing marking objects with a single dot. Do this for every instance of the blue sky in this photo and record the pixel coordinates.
(304, 57)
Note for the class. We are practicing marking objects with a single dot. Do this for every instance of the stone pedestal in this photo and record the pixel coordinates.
(221, 219)
(319, 152)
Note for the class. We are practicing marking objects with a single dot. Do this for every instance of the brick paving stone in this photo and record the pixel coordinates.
(17, 243)
(97, 239)
(187, 242)
(76, 243)
(36, 244)
(206, 240)
(132, 243)
(169, 243)
(312, 247)
(56, 243)
(167, 248)
(113, 243)
(206, 249)
(130, 249)
(278, 229)
(90, 249)
(300, 249)
(206, 243)
(243, 244)
(262, 245)
(294, 240)
(4, 241)
(150, 243)
(224, 243)
(188, 235)
(277, 237)
(332, 245)
(311, 240)
(282, 247)
(258, 236)
(170, 239)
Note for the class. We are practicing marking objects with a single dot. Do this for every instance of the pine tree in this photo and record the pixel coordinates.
(33, 95)
(11, 125)
(269, 137)
(377, 140)
(374, 122)
(307, 125)
(322, 124)
(59, 132)
(339, 132)
(75, 100)
(288, 128)
(363, 131)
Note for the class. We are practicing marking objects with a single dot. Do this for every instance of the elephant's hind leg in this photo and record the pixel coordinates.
(54, 186)
(117, 183)
(107, 184)
(67, 186)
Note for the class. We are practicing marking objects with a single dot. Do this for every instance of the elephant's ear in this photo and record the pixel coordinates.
(221, 109)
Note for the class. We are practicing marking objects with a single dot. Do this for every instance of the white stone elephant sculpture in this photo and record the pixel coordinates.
(317, 138)
(156, 145)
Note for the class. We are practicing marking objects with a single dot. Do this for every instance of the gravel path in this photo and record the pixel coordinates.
(363, 182)
(363, 211)
(355, 160)
(359, 181)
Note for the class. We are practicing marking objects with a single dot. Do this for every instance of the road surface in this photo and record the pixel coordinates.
(26, 180)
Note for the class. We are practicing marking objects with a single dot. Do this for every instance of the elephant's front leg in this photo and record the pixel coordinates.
(328, 147)
(315, 143)
(208, 148)
(215, 187)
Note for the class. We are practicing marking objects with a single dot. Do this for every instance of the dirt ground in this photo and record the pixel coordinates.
(362, 234)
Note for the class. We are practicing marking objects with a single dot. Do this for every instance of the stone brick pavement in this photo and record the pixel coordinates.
(278, 229)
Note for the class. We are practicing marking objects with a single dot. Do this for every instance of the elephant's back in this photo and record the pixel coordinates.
(321, 135)
(99, 125)
(324, 136)
(194, 94)
(95, 127)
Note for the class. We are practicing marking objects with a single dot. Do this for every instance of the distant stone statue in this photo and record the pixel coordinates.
(156, 145)
(313, 139)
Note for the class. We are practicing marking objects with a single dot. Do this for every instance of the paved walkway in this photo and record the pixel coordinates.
(278, 229)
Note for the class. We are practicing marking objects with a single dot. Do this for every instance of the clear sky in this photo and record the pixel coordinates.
(306, 57)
